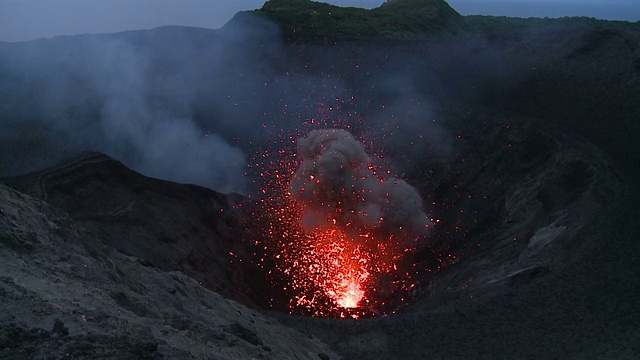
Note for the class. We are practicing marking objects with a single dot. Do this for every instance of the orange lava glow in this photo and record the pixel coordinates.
(330, 271)
(344, 273)
(333, 269)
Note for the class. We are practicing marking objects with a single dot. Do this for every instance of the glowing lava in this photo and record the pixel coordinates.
(345, 271)
(337, 230)
(350, 292)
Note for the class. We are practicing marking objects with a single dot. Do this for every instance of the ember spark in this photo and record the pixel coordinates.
(336, 228)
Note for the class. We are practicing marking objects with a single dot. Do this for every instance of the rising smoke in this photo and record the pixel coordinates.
(336, 184)
(103, 93)
(156, 141)
(193, 105)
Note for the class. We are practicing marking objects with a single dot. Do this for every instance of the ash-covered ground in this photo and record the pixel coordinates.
(522, 145)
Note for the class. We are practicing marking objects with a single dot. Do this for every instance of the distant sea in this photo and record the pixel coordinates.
(607, 10)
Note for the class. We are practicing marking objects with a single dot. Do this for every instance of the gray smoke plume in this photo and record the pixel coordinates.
(105, 93)
(150, 139)
(192, 105)
(337, 183)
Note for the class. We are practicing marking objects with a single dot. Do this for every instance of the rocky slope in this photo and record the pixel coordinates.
(66, 294)
(166, 225)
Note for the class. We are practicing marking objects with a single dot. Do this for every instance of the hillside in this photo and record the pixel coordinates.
(66, 293)
(304, 19)
(400, 20)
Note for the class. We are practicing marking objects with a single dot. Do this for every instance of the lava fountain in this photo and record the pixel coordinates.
(340, 230)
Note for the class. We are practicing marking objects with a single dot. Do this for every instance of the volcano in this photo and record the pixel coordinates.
(432, 185)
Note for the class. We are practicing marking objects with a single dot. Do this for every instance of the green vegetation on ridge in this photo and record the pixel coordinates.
(393, 19)
(402, 19)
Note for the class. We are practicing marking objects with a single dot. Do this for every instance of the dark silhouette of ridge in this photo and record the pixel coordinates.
(167, 225)
(398, 19)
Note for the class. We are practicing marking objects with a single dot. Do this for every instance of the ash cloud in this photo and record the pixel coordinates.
(182, 104)
(134, 96)
(192, 105)
(336, 181)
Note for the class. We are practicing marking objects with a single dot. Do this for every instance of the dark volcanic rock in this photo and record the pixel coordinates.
(167, 225)
(244, 333)
(19, 343)
(74, 296)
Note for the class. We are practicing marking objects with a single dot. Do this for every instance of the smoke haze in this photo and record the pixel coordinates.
(100, 98)
(194, 105)
(336, 181)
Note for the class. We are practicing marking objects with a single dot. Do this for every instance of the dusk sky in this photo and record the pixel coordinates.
(29, 19)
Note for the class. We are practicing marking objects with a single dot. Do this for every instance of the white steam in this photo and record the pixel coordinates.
(150, 98)
(336, 183)
(151, 140)
(106, 94)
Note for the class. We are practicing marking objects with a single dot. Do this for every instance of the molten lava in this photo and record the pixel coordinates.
(337, 230)
(345, 271)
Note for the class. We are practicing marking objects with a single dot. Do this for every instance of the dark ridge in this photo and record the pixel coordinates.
(395, 19)
(505, 25)
(398, 20)
(177, 227)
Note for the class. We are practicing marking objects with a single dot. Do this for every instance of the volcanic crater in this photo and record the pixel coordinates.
(519, 137)
(513, 203)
